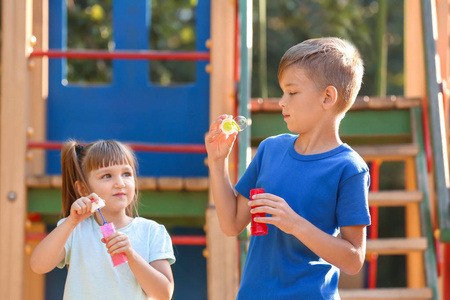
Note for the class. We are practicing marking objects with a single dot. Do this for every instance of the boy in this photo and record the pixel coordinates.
(315, 186)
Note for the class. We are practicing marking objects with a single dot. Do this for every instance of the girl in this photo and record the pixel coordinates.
(105, 170)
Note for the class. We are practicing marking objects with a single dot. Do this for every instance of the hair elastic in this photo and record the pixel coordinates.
(78, 149)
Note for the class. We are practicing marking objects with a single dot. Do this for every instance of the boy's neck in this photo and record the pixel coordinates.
(322, 138)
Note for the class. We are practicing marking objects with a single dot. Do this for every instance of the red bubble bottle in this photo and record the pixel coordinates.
(257, 228)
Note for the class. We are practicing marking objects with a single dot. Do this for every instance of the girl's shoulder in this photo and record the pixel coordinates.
(139, 222)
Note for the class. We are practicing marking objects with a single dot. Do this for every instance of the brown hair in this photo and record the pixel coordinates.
(328, 62)
(77, 161)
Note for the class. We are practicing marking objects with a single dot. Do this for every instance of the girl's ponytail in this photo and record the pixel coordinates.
(71, 171)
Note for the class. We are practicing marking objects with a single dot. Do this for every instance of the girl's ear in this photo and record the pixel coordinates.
(330, 99)
(81, 188)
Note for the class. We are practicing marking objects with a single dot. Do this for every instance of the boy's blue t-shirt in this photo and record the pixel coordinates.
(329, 190)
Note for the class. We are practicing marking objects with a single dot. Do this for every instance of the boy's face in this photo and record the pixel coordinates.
(301, 102)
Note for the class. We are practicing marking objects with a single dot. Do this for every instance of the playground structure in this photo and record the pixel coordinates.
(39, 111)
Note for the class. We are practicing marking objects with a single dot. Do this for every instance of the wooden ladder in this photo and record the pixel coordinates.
(417, 244)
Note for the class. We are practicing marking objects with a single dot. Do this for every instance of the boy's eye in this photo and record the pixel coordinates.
(292, 93)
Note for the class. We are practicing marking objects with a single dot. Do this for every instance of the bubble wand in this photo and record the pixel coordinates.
(108, 229)
(232, 125)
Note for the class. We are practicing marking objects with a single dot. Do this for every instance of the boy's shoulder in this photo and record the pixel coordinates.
(279, 140)
(353, 160)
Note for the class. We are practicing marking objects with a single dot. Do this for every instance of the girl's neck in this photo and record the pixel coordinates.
(120, 220)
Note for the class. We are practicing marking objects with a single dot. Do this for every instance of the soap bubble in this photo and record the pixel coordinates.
(241, 121)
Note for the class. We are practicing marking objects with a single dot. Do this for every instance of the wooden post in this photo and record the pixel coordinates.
(16, 26)
(222, 259)
(415, 86)
(38, 87)
(415, 268)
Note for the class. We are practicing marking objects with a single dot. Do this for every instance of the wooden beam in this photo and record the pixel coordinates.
(222, 259)
(16, 29)
(387, 294)
(38, 87)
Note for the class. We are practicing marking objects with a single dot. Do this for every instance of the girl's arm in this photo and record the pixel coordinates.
(50, 251)
(347, 253)
(155, 279)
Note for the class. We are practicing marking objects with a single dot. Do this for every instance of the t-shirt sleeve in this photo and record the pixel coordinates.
(352, 206)
(67, 247)
(161, 245)
(249, 179)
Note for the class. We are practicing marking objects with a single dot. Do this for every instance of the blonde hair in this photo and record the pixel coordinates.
(328, 62)
(77, 161)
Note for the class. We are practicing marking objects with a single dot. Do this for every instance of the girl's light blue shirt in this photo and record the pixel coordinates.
(91, 274)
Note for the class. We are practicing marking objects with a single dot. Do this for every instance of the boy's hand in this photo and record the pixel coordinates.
(218, 144)
(118, 242)
(81, 208)
(283, 216)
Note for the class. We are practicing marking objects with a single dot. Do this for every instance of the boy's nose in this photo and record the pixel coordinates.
(281, 102)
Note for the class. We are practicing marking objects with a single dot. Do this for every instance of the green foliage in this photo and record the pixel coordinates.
(172, 28)
(89, 27)
(289, 22)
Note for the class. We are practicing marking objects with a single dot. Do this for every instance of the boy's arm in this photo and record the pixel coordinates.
(347, 253)
(232, 210)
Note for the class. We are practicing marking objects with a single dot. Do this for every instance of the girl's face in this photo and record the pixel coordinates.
(115, 184)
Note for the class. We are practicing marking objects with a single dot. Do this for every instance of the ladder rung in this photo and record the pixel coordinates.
(394, 198)
(387, 152)
(396, 246)
(386, 293)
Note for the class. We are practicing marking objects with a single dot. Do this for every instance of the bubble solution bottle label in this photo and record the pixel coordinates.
(119, 258)
(258, 228)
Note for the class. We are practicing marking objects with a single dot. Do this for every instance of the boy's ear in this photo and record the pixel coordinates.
(330, 98)
(81, 188)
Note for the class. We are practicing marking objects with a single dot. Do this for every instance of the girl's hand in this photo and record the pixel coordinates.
(118, 242)
(283, 216)
(218, 144)
(81, 208)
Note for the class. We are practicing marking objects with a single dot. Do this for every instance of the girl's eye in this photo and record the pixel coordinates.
(292, 93)
(106, 176)
(127, 174)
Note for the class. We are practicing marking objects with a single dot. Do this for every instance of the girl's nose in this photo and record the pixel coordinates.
(120, 182)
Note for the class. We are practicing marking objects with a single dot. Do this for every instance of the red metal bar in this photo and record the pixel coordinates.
(446, 272)
(119, 54)
(426, 133)
(190, 240)
(374, 186)
(165, 148)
